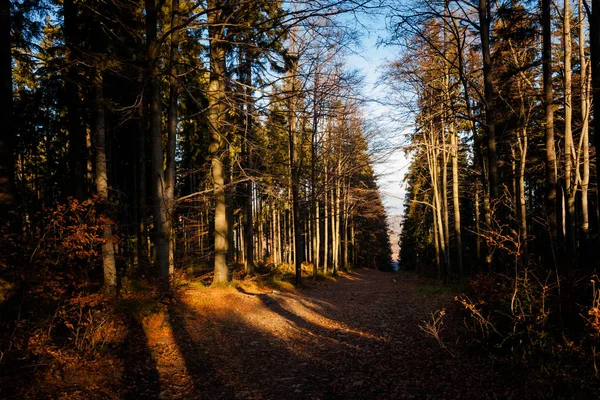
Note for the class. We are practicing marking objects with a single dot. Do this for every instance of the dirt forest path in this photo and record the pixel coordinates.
(355, 338)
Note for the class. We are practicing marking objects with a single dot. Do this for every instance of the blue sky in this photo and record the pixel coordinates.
(391, 167)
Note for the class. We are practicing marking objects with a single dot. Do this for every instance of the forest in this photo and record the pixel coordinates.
(189, 203)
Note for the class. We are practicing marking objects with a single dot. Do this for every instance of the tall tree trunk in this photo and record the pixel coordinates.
(216, 97)
(247, 159)
(77, 134)
(571, 188)
(477, 225)
(141, 147)
(161, 240)
(108, 249)
(551, 204)
(313, 177)
(456, 199)
(326, 212)
(490, 117)
(595, 70)
(521, 190)
(294, 167)
(279, 245)
(170, 179)
(317, 245)
(585, 117)
(7, 153)
(445, 207)
(338, 218)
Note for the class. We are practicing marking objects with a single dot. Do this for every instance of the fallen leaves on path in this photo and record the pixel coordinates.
(357, 337)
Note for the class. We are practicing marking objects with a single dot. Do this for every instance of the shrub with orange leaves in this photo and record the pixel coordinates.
(72, 233)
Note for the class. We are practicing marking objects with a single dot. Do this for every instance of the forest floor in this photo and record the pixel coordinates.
(353, 337)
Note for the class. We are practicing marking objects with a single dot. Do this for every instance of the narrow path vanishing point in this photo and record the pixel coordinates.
(355, 338)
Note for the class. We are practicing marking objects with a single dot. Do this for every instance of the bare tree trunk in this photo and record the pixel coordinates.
(444, 204)
(456, 199)
(216, 114)
(477, 225)
(434, 174)
(436, 241)
(77, 134)
(108, 249)
(279, 246)
(161, 240)
(313, 178)
(335, 202)
(484, 25)
(438, 208)
(487, 211)
(585, 116)
(345, 228)
(142, 228)
(326, 222)
(595, 71)
(521, 189)
(172, 134)
(353, 236)
(7, 156)
(317, 246)
(571, 188)
(551, 204)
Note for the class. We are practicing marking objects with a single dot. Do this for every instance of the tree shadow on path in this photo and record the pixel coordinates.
(140, 379)
(198, 364)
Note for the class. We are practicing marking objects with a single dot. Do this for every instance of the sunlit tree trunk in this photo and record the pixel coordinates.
(521, 189)
(108, 249)
(326, 221)
(317, 246)
(595, 71)
(279, 240)
(585, 116)
(456, 199)
(345, 227)
(338, 217)
(216, 114)
(571, 188)
(313, 177)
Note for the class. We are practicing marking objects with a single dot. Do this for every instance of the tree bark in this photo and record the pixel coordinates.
(595, 70)
(7, 167)
(313, 177)
(585, 116)
(108, 249)
(551, 205)
(571, 187)
(77, 134)
(294, 167)
(170, 179)
(490, 117)
(456, 200)
(216, 97)
(159, 198)
(247, 159)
